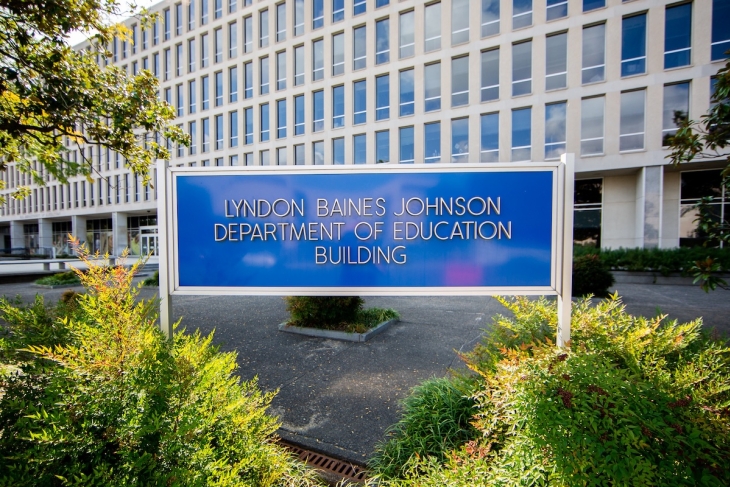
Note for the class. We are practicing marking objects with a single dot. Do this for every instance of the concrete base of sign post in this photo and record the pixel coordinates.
(338, 335)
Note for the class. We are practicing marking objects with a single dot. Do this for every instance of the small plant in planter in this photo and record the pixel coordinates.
(340, 313)
(69, 278)
(591, 276)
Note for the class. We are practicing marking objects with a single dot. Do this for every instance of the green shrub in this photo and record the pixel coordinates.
(632, 401)
(60, 279)
(100, 397)
(329, 312)
(152, 281)
(435, 418)
(663, 261)
(591, 276)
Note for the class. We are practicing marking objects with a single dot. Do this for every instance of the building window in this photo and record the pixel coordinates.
(264, 28)
(233, 160)
(338, 151)
(203, 12)
(317, 60)
(678, 36)
(382, 146)
(338, 10)
(192, 132)
(406, 35)
(233, 84)
(264, 157)
(264, 122)
(490, 75)
(299, 115)
(338, 54)
(318, 111)
(264, 75)
(134, 38)
(298, 65)
(178, 19)
(490, 17)
(406, 154)
(248, 34)
(280, 119)
(338, 106)
(633, 45)
(179, 60)
(522, 68)
(460, 81)
(432, 27)
(359, 48)
(676, 110)
(555, 133)
(359, 149)
(299, 155)
(489, 137)
(720, 29)
(298, 17)
(191, 54)
(281, 70)
(594, 54)
(317, 14)
(632, 120)
(218, 41)
(248, 126)
(556, 9)
(587, 204)
(382, 97)
(180, 100)
(219, 88)
(382, 41)
(432, 142)
(318, 153)
(591, 125)
(359, 7)
(204, 45)
(406, 95)
(168, 63)
(233, 124)
(522, 134)
(248, 159)
(696, 185)
(232, 8)
(556, 60)
(166, 24)
(281, 156)
(460, 140)
(381, 3)
(205, 126)
(248, 80)
(192, 92)
(156, 64)
(432, 87)
(593, 4)
(459, 21)
(359, 109)
(219, 137)
(280, 22)
(521, 13)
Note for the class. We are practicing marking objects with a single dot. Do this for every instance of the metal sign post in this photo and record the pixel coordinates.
(431, 229)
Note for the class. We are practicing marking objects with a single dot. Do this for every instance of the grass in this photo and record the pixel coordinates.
(68, 278)
(365, 320)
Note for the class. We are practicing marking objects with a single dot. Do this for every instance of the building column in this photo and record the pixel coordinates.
(78, 228)
(121, 237)
(650, 202)
(17, 235)
(45, 235)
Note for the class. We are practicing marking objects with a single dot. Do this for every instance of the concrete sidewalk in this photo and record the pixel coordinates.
(339, 397)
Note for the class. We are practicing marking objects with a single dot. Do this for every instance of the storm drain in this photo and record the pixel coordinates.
(328, 465)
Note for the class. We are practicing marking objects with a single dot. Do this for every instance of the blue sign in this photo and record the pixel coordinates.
(396, 229)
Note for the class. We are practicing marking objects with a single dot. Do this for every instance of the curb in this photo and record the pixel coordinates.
(338, 335)
(55, 286)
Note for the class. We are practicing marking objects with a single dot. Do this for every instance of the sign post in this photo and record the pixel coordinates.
(436, 229)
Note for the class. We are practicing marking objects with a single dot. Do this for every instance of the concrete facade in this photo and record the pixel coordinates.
(640, 200)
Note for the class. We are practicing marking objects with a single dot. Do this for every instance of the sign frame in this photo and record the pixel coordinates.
(561, 237)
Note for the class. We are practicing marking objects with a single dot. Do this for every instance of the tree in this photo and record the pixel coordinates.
(709, 139)
(54, 98)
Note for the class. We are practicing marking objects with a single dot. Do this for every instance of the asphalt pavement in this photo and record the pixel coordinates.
(339, 397)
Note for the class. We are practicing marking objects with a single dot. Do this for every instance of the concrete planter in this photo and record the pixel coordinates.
(338, 335)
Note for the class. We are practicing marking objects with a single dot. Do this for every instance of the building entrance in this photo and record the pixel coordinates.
(148, 241)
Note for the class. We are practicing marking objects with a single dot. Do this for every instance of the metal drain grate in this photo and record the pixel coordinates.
(339, 468)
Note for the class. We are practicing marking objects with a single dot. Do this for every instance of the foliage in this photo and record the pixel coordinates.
(328, 312)
(709, 138)
(62, 278)
(435, 418)
(591, 276)
(663, 261)
(97, 396)
(632, 401)
(54, 98)
(152, 281)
